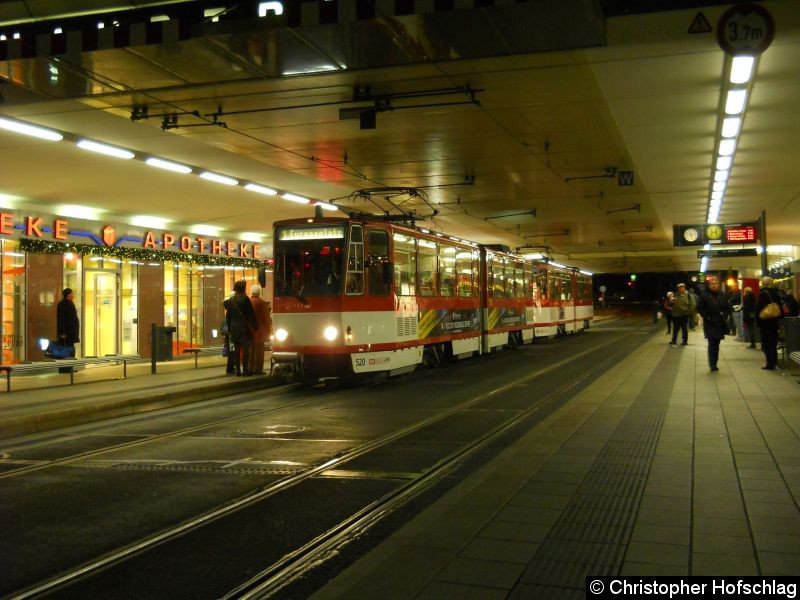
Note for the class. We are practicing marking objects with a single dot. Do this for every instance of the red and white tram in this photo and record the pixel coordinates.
(359, 296)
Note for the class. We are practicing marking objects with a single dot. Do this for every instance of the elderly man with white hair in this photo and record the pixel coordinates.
(261, 334)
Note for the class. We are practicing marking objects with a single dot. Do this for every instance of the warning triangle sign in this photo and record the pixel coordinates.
(700, 24)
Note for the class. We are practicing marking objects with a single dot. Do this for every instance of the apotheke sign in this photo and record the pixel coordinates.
(59, 229)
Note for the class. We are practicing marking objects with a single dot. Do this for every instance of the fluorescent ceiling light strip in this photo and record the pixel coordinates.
(730, 126)
(326, 206)
(169, 166)
(735, 101)
(717, 195)
(105, 149)
(724, 163)
(217, 178)
(721, 176)
(260, 189)
(295, 198)
(727, 147)
(742, 69)
(719, 186)
(31, 130)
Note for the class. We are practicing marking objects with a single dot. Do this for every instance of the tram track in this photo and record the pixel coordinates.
(149, 439)
(297, 561)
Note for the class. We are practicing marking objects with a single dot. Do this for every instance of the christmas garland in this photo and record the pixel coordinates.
(139, 254)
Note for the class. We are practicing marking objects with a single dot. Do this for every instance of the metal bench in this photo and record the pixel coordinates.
(216, 350)
(68, 364)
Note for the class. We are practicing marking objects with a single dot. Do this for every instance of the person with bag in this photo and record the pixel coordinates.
(68, 326)
(683, 306)
(668, 302)
(261, 332)
(768, 313)
(749, 315)
(241, 324)
(714, 308)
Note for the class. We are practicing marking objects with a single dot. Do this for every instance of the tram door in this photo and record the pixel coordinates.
(100, 314)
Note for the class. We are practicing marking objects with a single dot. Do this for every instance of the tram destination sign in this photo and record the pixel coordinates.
(719, 253)
(700, 234)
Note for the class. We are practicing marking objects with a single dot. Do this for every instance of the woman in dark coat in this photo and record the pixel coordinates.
(67, 323)
(768, 327)
(714, 308)
(241, 325)
(749, 315)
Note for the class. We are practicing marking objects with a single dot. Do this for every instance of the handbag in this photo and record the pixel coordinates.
(57, 349)
(770, 311)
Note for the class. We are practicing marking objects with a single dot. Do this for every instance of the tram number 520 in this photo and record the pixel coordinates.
(361, 362)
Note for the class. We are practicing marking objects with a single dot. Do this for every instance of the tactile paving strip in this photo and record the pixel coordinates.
(591, 534)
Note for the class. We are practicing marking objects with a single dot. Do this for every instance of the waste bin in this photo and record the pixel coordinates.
(162, 342)
(791, 329)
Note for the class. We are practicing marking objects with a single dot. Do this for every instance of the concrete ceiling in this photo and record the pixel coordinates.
(566, 98)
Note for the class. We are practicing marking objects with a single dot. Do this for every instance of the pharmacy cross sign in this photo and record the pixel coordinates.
(745, 29)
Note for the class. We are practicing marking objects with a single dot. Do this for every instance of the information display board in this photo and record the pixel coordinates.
(700, 234)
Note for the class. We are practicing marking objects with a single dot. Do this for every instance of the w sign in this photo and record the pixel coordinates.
(624, 177)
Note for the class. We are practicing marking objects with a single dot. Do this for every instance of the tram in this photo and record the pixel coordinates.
(359, 295)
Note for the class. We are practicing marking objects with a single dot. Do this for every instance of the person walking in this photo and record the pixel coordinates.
(714, 308)
(260, 333)
(241, 324)
(668, 302)
(749, 315)
(683, 305)
(768, 327)
(693, 320)
(68, 326)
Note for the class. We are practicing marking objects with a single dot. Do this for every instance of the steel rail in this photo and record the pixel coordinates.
(151, 438)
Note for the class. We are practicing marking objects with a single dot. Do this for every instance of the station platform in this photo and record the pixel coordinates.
(660, 467)
(46, 402)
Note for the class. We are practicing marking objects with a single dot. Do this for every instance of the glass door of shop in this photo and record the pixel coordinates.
(100, 330)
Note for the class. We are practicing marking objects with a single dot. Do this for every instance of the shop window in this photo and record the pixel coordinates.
(13, 303)
(129, 307)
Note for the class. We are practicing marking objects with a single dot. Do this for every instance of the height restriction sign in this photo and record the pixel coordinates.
(745, 29)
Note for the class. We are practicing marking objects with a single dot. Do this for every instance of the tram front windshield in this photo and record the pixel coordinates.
(309, 260)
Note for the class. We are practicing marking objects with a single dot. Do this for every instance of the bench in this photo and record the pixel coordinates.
(69, 364)
(216, 350)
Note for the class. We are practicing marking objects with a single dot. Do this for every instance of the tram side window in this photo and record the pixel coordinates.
(427, 267)
(405, 265)
(497, 277)
(567, 287)
(530, 282)
(377, 258)
(447, 270)
(355, 262)
(464, 273)
(519, 280)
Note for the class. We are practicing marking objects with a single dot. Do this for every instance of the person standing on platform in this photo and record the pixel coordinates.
(749, 315)
(261, 310)
(714, 308)
(683, 306)
(790, 308)
(693, 320)
(768, 327)
(241, 323)
(68, 325)
(668, 302)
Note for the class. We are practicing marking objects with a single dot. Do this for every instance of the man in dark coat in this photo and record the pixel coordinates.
(67, 323)
(768, 327)
(242, 323)
(714, 309)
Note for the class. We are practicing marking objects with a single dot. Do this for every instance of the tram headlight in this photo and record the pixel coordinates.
(281, 334)
(330, 333)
